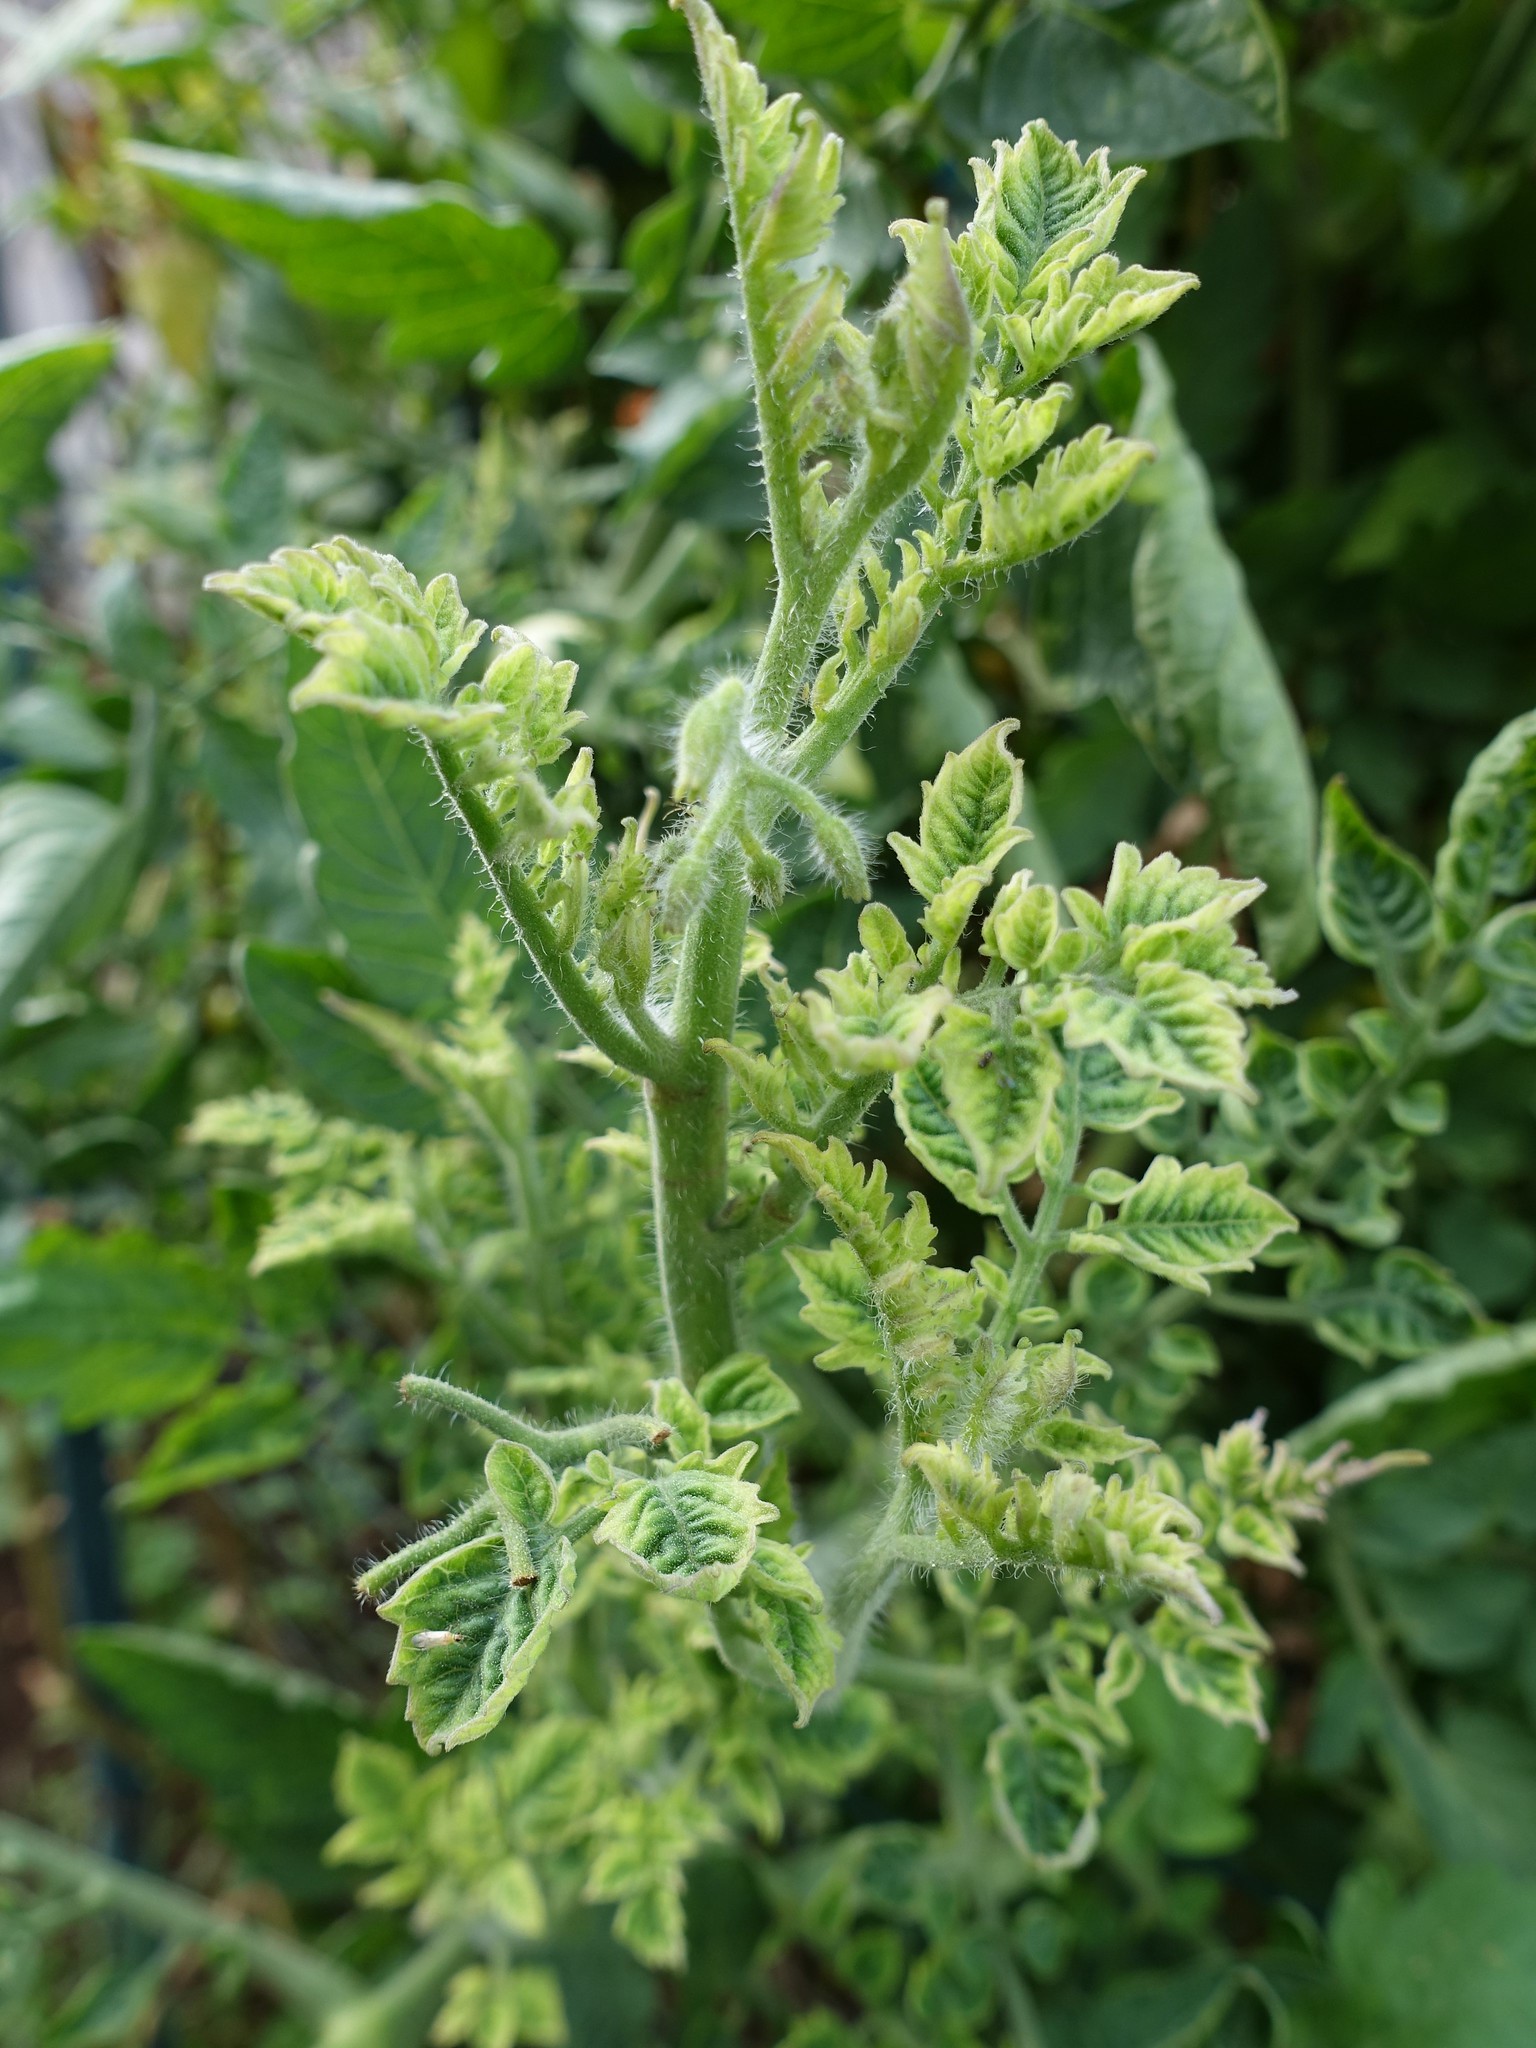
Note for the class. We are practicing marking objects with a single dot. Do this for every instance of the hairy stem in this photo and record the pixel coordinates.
(639, 1049)
(690, 1135)
(557, 1447)
(307, 1983)
(1029, 1268)
(392, 1570)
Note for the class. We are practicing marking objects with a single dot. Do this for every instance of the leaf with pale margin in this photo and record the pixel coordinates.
(1505, 952)
(1374, 900)
(1183, 1222)
(1110, 1099)
(1490, 849)
(1046, 1793)
(1210, 703)
(837, 1307)
(999, 1083)
(1173, 1026)
(689, 1531)
(968, 814)
(495, 1600)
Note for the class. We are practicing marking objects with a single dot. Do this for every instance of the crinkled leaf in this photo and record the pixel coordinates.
(1110, 1099)
(689, 1531)
(837, 1307)
(1186, 1221)
(1174, 1026)
(998, 1084)
(1505, 951)
(1490, 849)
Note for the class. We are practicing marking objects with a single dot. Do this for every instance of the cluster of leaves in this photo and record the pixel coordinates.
(833, 1436)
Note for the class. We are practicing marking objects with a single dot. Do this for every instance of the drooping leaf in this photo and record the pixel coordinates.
(285, 989)
(1046, 1793)
(1373, 899)
(392, 873)
(230, 1433)
(779, 1605)
(1212, 696)
(1146, 79)
(262, 1736)
(57, 848)
(1186, 1221)
(113, 1326)
(43, 377)
(449, 277)
(690, 1531)
(474, 1621)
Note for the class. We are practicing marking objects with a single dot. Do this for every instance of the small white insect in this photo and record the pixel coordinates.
(434, 1639)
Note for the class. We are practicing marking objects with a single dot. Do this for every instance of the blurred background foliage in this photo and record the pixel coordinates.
(454, 277)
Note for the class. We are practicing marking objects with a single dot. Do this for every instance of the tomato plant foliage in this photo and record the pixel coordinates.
(766, 852)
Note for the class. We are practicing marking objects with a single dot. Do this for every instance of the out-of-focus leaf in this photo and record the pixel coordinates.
(339, 1066)
(107, 1326)
(1426, 1380)
(263, 1737)
(55, 842)
(229, 1434)
(449, 278)
(1212, 697)
(43, 377)
(1454, 1966)
(1145, 78)
(854, 39)
(46, 725)
(58, 40)
(392, 873)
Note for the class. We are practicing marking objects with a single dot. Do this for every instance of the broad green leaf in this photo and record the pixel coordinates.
(1146, 78)
(1212, 706)
(393, 875)
(856, 39)
(262, 1736)
(968, 814)
(343, 1070)
(1373, 899)
(1174, 1027)
(999, 1084)
(1046, 1793)
(1426, 1381)
(449, 277)
(474, 1622)
(744, 1396)
(230, 1433)
(1186, 1221)
(1412, 1305)
(113, 1326)
(43, 377)
(1505, 951)
(57, 848)
(1490, 849)
(1451, 1966)
(690, 1531)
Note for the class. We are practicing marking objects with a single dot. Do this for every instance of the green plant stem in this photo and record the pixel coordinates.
(460, 1528)
(641, 1052)
(929, 1681)
(867, 1584)
(557, 1447)
(398, 2012)
(690, 1135)
(1029, 1269)
(307, 1983)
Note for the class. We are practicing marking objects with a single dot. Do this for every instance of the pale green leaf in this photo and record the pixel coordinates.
(999, 1083)
(743, 1396)
(1505, 952)
(1174, 1026)
(1490, 849)
(1186, 1221)
(1374, 900)
(968, 814)
(1046, 1793)
(690, 1531)
(58, 848)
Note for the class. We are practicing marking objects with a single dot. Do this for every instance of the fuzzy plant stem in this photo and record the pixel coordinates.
(305, 1982)
(690, 1133)
(557, 1447)
(1029, 1269)
(463, 1527)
